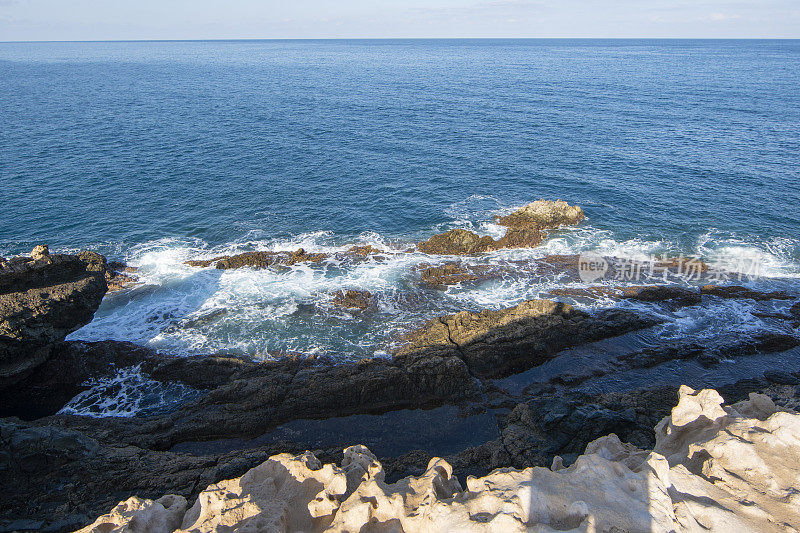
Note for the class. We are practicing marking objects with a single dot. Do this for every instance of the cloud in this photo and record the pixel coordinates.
(486, 7)
(720, 17)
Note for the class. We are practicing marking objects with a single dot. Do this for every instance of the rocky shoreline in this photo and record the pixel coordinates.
(464, 387)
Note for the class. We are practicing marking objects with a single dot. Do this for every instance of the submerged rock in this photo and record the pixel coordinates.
(738, 292)
(672, 294)
(352, 299)
(543, 214)
(498, 343)
(713, 468)
(42, 300)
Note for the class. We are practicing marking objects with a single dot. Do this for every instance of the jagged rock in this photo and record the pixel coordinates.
(163, 514)
(735, 291)
(457, 242)
(678, 296)
(62, 477)
(713, 468)
(463, 242)
(119, 275)
(497, 343)
(246, 399)
(543, 214)
(259, 259)
(40, 251)
(453, 273)
(795, 310)
(352, 299)
(41, 302)
(364, 251)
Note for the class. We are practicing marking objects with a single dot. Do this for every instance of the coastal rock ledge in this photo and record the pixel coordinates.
(713, 468)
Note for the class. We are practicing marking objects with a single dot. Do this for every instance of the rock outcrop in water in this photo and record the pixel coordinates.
(353, 299)
(543, 214)
(526, 229)
(259, 259)
(496, 343)
(713, 468)
(43, 298)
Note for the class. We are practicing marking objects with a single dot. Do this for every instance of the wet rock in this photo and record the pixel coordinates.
(543, 214)
(767, 342)
(41, 302)
(737, 292)
(457, 242)
(119, 276)
(672, 294)
(591, 293)
(352, 299)
(204, 262)
(247, 399)
(463, 242)
(439, 277)
(364, 251)
(498, 343)
(258, 260)
(795, 310)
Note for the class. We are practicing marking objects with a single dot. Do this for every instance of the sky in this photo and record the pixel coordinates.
(25, 20)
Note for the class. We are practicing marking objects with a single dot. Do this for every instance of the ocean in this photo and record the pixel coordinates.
(155, 153)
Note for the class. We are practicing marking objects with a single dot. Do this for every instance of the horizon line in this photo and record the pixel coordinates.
(255, 39)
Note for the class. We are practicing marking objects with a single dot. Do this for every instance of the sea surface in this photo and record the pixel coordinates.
(158, 152)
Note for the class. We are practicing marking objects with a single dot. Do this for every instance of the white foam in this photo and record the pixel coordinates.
(127, 394)
(774, 258)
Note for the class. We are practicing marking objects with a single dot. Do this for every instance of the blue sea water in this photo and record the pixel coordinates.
(158, 152)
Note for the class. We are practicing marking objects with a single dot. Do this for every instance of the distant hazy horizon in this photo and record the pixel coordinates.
(97, 20)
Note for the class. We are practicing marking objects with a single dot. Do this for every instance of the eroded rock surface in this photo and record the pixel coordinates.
(495, 343)
(353, 299)
(43, 299)
(259, 259)
(543, 214)
(713, 468)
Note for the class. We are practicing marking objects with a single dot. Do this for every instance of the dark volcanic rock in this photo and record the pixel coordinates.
(41, 302)
(62, 477)
(246, 399)
(678, 296)
(735, 291)
(352, 299)
(795, 310)
(499, 343)
(363, 251)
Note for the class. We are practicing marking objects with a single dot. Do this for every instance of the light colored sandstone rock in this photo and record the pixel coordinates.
(40, 252)
(145, 516)
(544, 214)
(715, 468)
